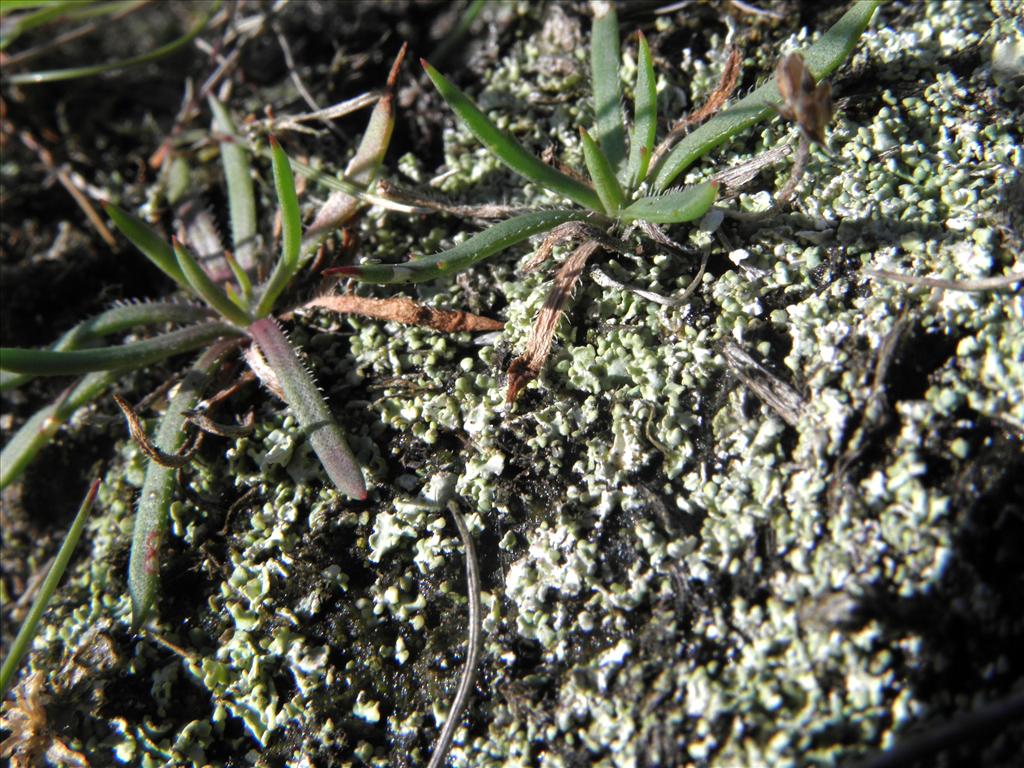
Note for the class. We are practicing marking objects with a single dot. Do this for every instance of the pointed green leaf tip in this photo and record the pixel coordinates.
(604, 74)
(507, 149)
(480, 246)
(645, 116)
(291, 229)
(211, 293)
(148, 241)
(602, 174)
(29, 626)
(241, 197)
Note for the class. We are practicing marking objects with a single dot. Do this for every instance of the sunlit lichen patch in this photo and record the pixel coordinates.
(675, 570)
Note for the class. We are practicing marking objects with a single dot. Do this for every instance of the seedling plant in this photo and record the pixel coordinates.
(628, 187)
(233, 314)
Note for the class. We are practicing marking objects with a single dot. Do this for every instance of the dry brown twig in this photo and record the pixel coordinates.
(407, 312)
(138, 433)
(770, 389)
(568, 231)
(999, 283)
(65, 179)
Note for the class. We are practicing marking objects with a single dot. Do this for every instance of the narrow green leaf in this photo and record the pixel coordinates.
(673, 207)
(44, 13)
(149, 241)
(604, 72)
(9, 6)
(116, 320)
(40, 428)
(291, 230)
(241, 199)
(45, 362)
(477, 248)
(306, 402)
(822, 59)
(71, 73)
(210, 292)
(507, 149)
(152, 513)
(177, 179)
(334, 183)
(27, 630)
(645, 116)
(602, 175)
(242, 278)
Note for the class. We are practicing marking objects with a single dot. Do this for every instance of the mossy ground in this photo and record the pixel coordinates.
(674, 571)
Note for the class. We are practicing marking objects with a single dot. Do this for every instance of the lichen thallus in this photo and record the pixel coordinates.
(626, 189)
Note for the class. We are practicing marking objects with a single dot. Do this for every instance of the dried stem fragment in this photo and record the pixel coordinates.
(569, 231)
(738, 176)
(721, 94)
(138, 433)
(408, 312)
(419, 200)
(784, 195)
(62, 175)
(770, 389)
(473, 643)
(206, 424)
(999, 283)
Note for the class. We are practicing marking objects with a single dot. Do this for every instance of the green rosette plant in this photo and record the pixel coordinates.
(627, 185)
(233, 313)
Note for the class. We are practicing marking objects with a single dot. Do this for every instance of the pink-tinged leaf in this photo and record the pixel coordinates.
(364, 166)
(312, 413)
(153, 512)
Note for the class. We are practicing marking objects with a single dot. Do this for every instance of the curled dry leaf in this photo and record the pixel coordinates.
(138, 433)
(528, 366)
(208, 425)
(407, 312)
(33, 740)
(721, 94)
(803, 102)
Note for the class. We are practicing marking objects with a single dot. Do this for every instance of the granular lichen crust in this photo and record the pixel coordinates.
(675, 572)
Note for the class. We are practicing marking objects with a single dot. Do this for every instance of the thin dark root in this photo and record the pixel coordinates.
(473, 642)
